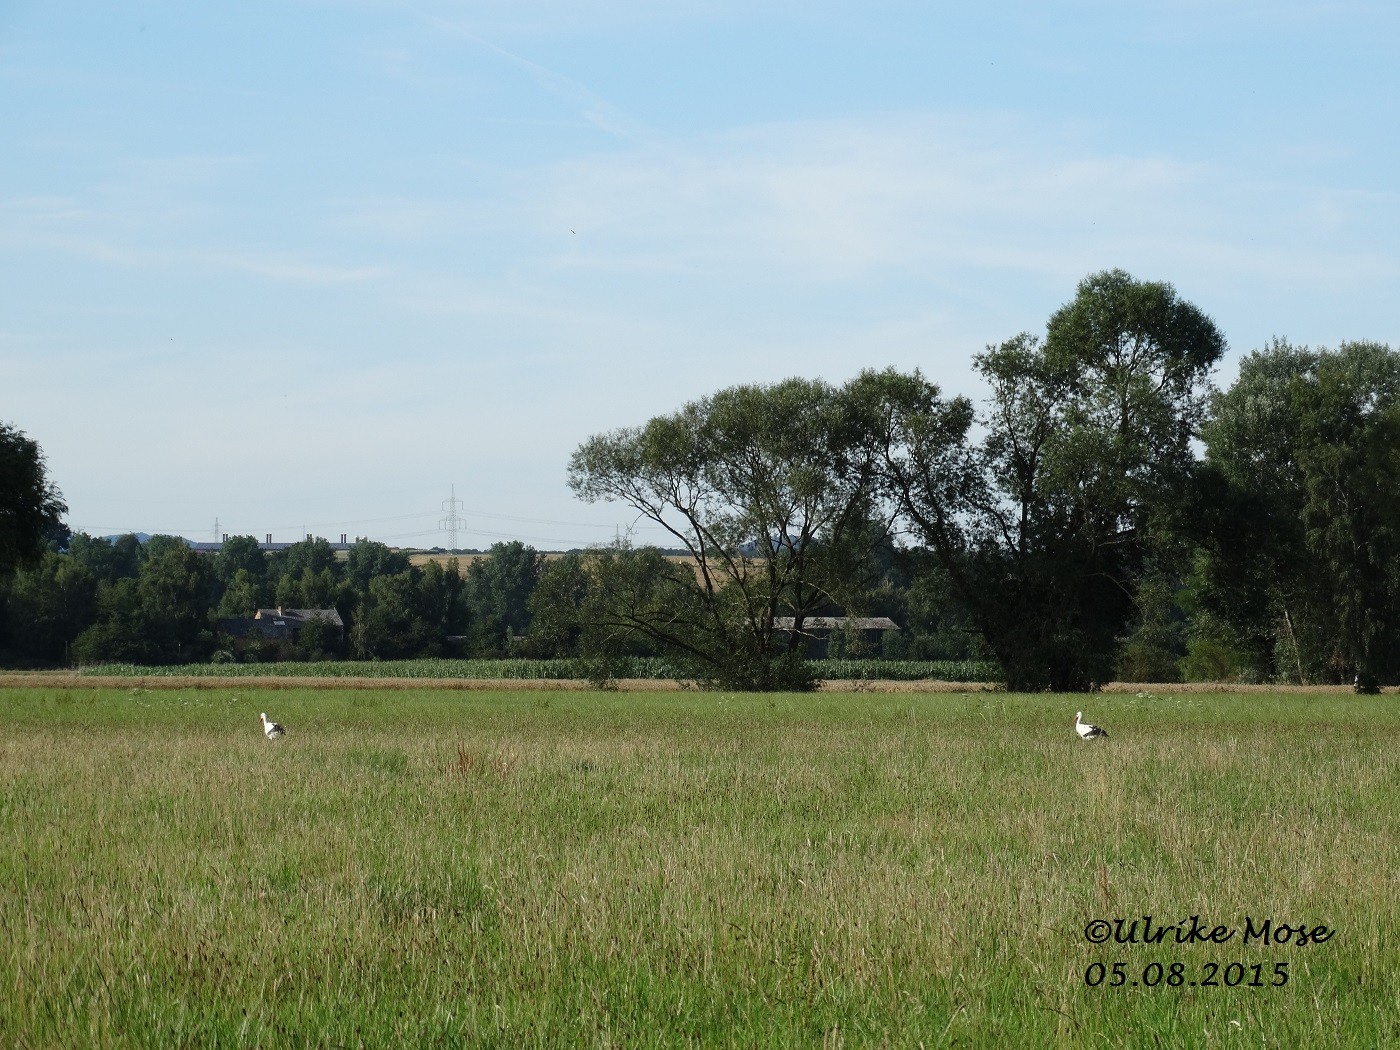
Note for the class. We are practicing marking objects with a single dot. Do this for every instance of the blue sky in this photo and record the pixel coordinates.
(305, 266)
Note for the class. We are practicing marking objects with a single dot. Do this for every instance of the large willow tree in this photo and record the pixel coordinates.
(769, 489)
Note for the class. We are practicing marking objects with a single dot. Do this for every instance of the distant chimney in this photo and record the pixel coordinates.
(225, 540)
(269, 537)
(308, 536)
(342, 539)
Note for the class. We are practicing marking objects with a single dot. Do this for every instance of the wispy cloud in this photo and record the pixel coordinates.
(294, 269)
(586, 103)
(139, 235)
(839, 201)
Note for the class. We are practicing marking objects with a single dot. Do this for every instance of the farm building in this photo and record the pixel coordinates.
(839, 635)
(812, 624)
(267, 546)
(276, 627)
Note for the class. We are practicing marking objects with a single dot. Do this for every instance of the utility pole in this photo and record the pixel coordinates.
(453, 521)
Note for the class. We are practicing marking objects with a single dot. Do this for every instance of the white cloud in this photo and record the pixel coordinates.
(917, 196)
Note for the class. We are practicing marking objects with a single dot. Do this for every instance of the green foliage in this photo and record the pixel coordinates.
(1153, 651)
(160, 616)
(1141, 660)
(367, 559)
(120, 632)
(310, 590)
(45, 607)
(918, 595)
(240, 554)
(401, 617)
(175, 587)
(243, 596)
(443, 596)
(313, 553)
(768, 489)
(499, 586)
(30, 504)
(1046, 529)
(1302, 561)
(107, 559)
(1065, 533)
(387, 625)
(555, 605)
(1210, 660)
(1350, 458)
(319, 639)
(907, 670)
(495, 598)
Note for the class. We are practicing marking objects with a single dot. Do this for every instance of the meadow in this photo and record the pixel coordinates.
(424, 867)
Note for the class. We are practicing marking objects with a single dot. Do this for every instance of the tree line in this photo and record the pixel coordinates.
(1103, 512)
(92, 600)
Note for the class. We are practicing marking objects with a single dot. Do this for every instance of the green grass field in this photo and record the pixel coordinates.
(641, 667)
(659, 869)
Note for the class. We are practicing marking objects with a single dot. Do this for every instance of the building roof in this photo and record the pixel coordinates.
(838, 623)
(294, 618)
(246, 627)
(206, 547)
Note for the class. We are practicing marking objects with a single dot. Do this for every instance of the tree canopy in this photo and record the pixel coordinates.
(30, 504)
(767, 489)
(1047, 526)
(1301, 570)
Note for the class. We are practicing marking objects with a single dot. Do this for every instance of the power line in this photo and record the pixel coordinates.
(453, 523)
(453, 520)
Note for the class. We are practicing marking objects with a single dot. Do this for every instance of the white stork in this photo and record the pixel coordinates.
(1087, 730)
(272, 729)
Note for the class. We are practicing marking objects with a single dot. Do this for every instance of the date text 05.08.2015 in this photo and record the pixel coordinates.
(1180, 975)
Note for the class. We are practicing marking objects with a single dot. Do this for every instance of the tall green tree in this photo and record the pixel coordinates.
(122, 632)
(1254, 601)
(497, 594)
(310, 590)
(176, 588)
(759, 485)
(160, 616)
(240, 554)
(243, 596)
(319, 639)
(30, 504)
(108, 560)
(1048, 525)
(314, 553)
(443, 598)
(1350, 423)
(1300, 573)
(367, 559)
(46, 606)
(556, 603)
(391, 624)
